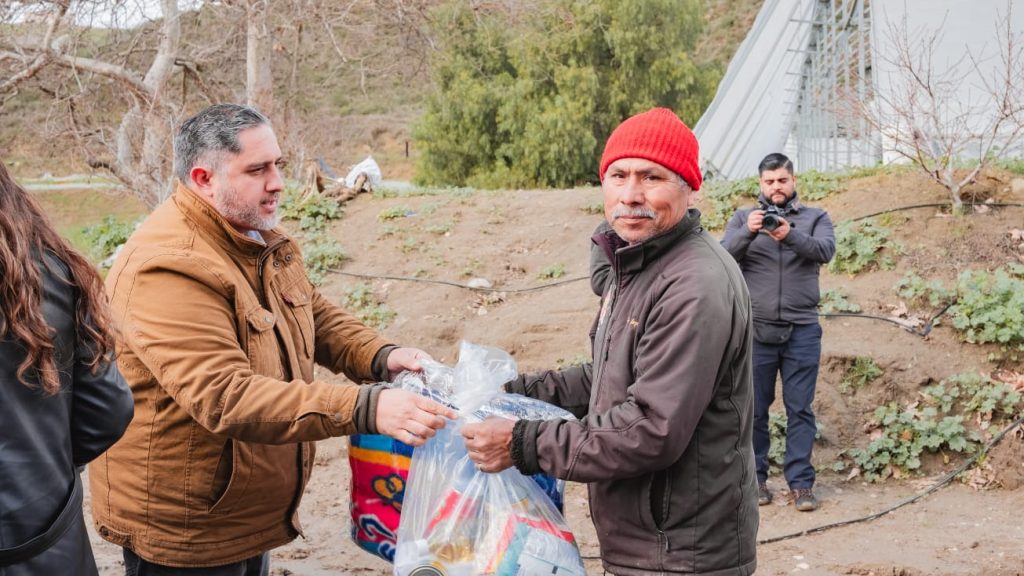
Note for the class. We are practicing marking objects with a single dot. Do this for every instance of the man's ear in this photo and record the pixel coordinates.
(202, 180)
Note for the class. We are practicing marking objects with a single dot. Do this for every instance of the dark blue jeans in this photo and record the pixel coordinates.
(255, 566)
(797, 361)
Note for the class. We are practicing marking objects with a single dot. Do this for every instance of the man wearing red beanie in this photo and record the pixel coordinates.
(666, 405)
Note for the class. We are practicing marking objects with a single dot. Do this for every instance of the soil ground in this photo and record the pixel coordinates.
(524, 239)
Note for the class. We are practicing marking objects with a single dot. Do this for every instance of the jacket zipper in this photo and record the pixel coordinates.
(778, 310)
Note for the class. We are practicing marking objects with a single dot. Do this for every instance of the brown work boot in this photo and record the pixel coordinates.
(805, 500)
(764, 495)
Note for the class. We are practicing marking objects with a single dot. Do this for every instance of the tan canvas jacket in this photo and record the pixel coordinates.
(218, 339)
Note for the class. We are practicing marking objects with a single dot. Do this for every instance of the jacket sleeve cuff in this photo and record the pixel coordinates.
(794, 237)
(364, 414)
(517, 385)
(379, 367)
(524, 446)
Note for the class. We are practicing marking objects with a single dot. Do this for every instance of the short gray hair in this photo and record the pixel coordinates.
(213, 131)
(682, 182)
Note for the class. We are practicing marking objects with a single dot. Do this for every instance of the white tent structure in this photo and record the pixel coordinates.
(802, 59)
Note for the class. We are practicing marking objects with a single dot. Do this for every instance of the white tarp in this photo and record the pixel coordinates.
(751, 114)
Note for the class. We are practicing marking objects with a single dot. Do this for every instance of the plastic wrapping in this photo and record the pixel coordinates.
(458, 521)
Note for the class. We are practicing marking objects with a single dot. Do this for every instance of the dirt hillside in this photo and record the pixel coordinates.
(522, 239)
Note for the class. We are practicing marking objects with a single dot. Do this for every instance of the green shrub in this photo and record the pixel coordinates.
(104, 238)
(990, 306)
(529, 99)
(361, 301)
(862, 246)
(835, 301)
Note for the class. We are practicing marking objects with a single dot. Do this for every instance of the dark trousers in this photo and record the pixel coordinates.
(255, 566)
(797, 360)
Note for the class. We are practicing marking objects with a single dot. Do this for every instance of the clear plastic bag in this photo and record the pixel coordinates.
(458, 521)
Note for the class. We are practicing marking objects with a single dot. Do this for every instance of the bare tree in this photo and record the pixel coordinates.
(259, 79)
(930, 118)
(138, 146)
(117, 89)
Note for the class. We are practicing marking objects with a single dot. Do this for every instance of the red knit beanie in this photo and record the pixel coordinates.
(660, 136)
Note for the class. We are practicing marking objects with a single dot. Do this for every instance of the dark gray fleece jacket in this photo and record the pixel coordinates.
(783, 276)
(666, 407)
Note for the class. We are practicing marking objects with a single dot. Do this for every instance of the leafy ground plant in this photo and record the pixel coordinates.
(777, 433)
(312, 213)
(721, 199)
(320, 256)
(394, 213)
(862, 246)
(777, 426)
(361, 301)
(920, 292)
(862, 371)
(552, 272)
(990, 307)
(835, 301)
(936, 423)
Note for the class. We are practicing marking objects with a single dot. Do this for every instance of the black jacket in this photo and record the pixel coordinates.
(45, 438)
(666, 409)
(783, 276)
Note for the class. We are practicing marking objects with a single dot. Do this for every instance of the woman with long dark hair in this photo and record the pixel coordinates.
(62, 400)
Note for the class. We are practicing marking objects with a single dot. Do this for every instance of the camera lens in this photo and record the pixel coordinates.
(770, 222)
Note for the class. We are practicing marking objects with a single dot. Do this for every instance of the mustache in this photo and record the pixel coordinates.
(624, 212)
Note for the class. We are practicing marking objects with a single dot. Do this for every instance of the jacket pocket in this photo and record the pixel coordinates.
(660, 496)
(300, 307)
(261, 344)
(231, 479)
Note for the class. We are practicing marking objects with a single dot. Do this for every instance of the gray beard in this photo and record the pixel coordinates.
(241, 215)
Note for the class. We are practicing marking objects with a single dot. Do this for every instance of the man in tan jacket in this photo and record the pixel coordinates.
(220, 328)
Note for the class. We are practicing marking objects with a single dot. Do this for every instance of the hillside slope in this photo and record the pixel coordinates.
(522, 239)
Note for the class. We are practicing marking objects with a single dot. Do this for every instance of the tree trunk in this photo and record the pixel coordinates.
(259, 91)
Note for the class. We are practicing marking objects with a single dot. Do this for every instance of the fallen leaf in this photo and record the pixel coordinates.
(1014, 379)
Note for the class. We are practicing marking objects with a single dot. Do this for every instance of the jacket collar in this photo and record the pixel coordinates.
(792, 206)
(213, 225)
(629, 259)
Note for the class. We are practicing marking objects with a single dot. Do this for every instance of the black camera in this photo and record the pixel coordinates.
(772, 215)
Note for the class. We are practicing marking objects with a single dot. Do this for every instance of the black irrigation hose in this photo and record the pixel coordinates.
(935, 205)
(938, 484)
(456, 284)
(922, 333)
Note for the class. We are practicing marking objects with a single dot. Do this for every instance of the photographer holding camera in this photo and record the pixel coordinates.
(780, 246)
